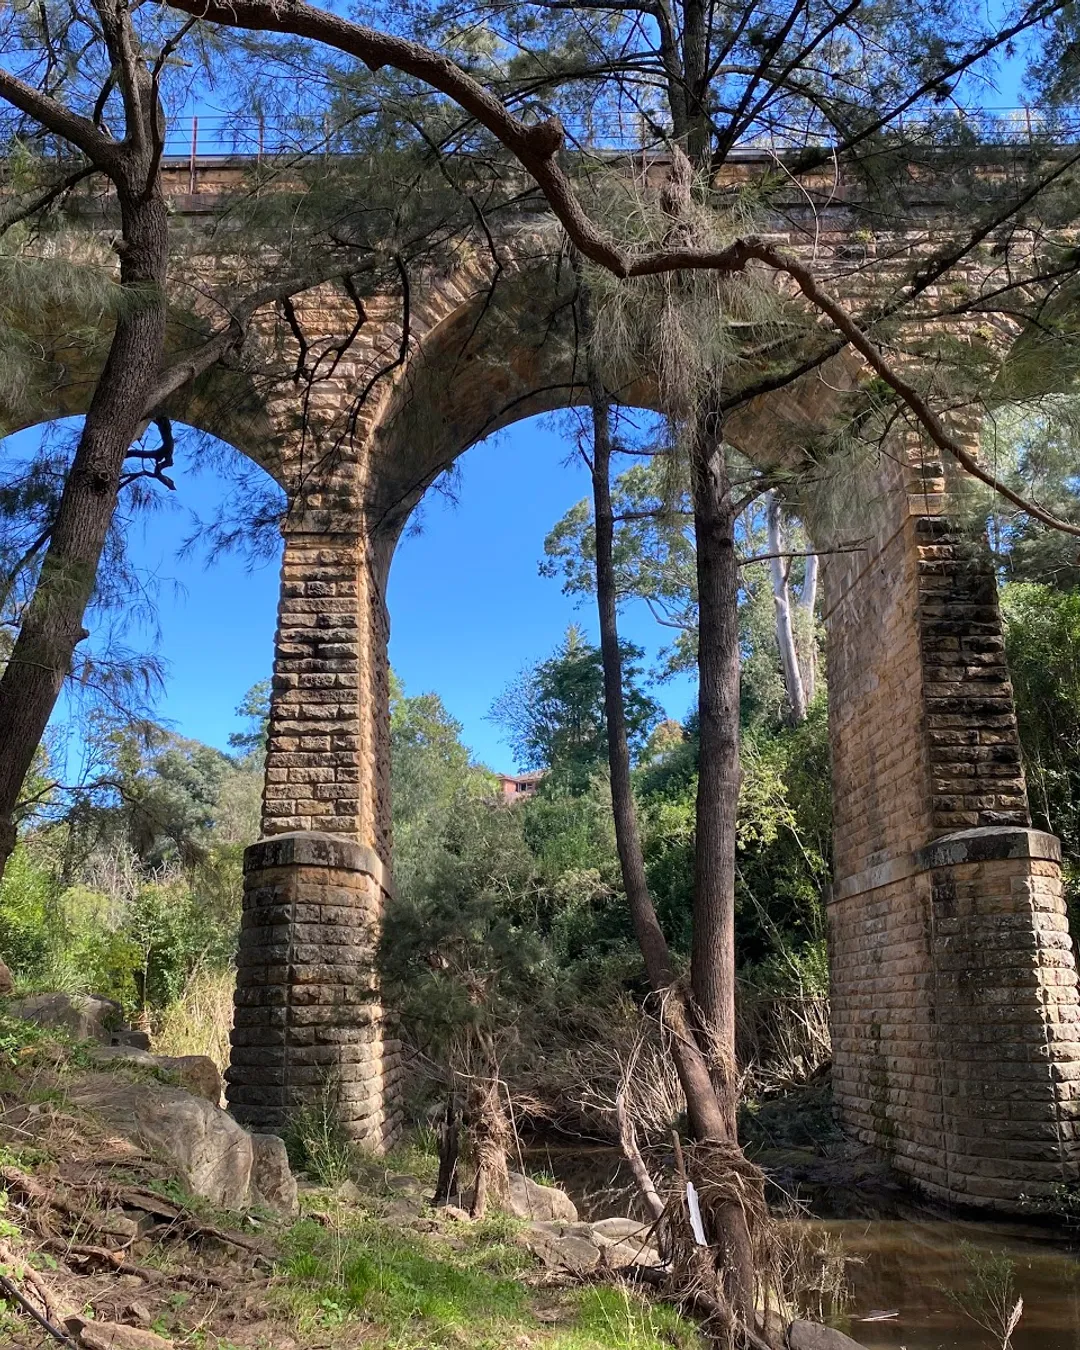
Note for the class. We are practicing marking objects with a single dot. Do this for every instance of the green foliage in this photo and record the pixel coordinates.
(255, 709)
(317, 1143)
(411, 1291)
(554, 715)
(1042, 644)
(459, 952)
(430, 771)
(783, 841)
(989, 1297)
(27, 913)
(138, 885)
(371, 1273)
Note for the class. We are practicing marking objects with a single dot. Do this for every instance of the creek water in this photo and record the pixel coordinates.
(899, 1256)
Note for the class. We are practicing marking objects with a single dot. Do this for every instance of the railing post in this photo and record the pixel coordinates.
(194, 153)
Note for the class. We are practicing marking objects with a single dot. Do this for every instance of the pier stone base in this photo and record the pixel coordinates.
(308, 1022)
(956, 1020)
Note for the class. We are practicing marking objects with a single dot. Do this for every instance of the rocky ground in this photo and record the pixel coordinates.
(135, 1214)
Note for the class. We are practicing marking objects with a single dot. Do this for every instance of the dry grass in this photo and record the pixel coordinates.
(198, 1023)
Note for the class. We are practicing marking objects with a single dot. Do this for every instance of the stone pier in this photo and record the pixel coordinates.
(310, 1024)
(955, 1016)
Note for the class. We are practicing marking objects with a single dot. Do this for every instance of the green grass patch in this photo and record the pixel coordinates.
(463, 1289)
(26, 1045)
(369, 1272)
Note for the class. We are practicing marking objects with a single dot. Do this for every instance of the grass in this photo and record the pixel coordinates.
(397, 1290)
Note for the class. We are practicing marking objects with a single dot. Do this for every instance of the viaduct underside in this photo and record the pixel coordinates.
(955, 1014)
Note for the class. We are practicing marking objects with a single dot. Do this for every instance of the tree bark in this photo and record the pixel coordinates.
(52, 623)
(706, 1119)
(785, 631)
(711, 1101)
(712, 958)
(807, 606)
(712, 962)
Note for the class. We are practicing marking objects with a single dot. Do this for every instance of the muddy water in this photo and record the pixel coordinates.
(900, 1257)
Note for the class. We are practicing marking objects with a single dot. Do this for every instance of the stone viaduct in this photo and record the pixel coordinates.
(956, 1019)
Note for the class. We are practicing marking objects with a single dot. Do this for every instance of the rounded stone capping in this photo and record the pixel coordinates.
(315, 848)
(989, 843)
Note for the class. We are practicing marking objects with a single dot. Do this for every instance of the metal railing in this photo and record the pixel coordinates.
(200, 137)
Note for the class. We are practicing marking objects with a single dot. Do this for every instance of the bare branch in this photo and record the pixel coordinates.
(80, 131)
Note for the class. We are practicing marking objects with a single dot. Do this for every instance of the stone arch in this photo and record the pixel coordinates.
(946, 917)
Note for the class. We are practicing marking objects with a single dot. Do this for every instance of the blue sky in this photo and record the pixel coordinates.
(468, 607)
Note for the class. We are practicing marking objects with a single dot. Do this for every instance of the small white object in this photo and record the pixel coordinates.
(695, 1215)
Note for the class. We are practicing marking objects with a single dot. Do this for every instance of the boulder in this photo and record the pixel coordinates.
(562, 1246)
(212, 1152)
(272, 1180)
(87, 1017)
(527, 1199)
(7, 981)
(213, 1155)
(813, 1336)
(197, 1074)
(95, 1335)
(619, 1230)
(405, 1184)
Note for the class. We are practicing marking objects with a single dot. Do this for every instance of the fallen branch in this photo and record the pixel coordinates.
(46, 1318)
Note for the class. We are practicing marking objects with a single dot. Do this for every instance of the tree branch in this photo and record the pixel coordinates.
(78, 130)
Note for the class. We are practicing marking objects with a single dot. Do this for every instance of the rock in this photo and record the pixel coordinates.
(272, 1180)
(195, 1073)
(619, 1230)
(630, 1252)
(408, 1185)
(211, 1152)
(7, 981)
(404, 1209)
(87, 1017)
(113, 1336)
(139, 1039)
(138, 1314)
(812, 1336)
(561, 1246)
(529, 1200)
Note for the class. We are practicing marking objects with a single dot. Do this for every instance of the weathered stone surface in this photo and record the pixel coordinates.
(212, 1152)
(529, 1200)
(617, 1229)
(214, 1156)
(86, 1016)
(561, 1248)
(630, 1252)
(272, 1180)
(812, 1336)
(194, 1073)
(7, 981)
(96, 1335)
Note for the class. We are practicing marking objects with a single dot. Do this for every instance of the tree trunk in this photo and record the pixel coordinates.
(712, 958)
(706, 1119)
(807, 606)
(449, 1150)
(52, 624)
(712, 964)
(785, 631)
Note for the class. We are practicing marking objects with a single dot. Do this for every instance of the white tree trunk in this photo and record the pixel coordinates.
(807, 605)
(785, 633)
